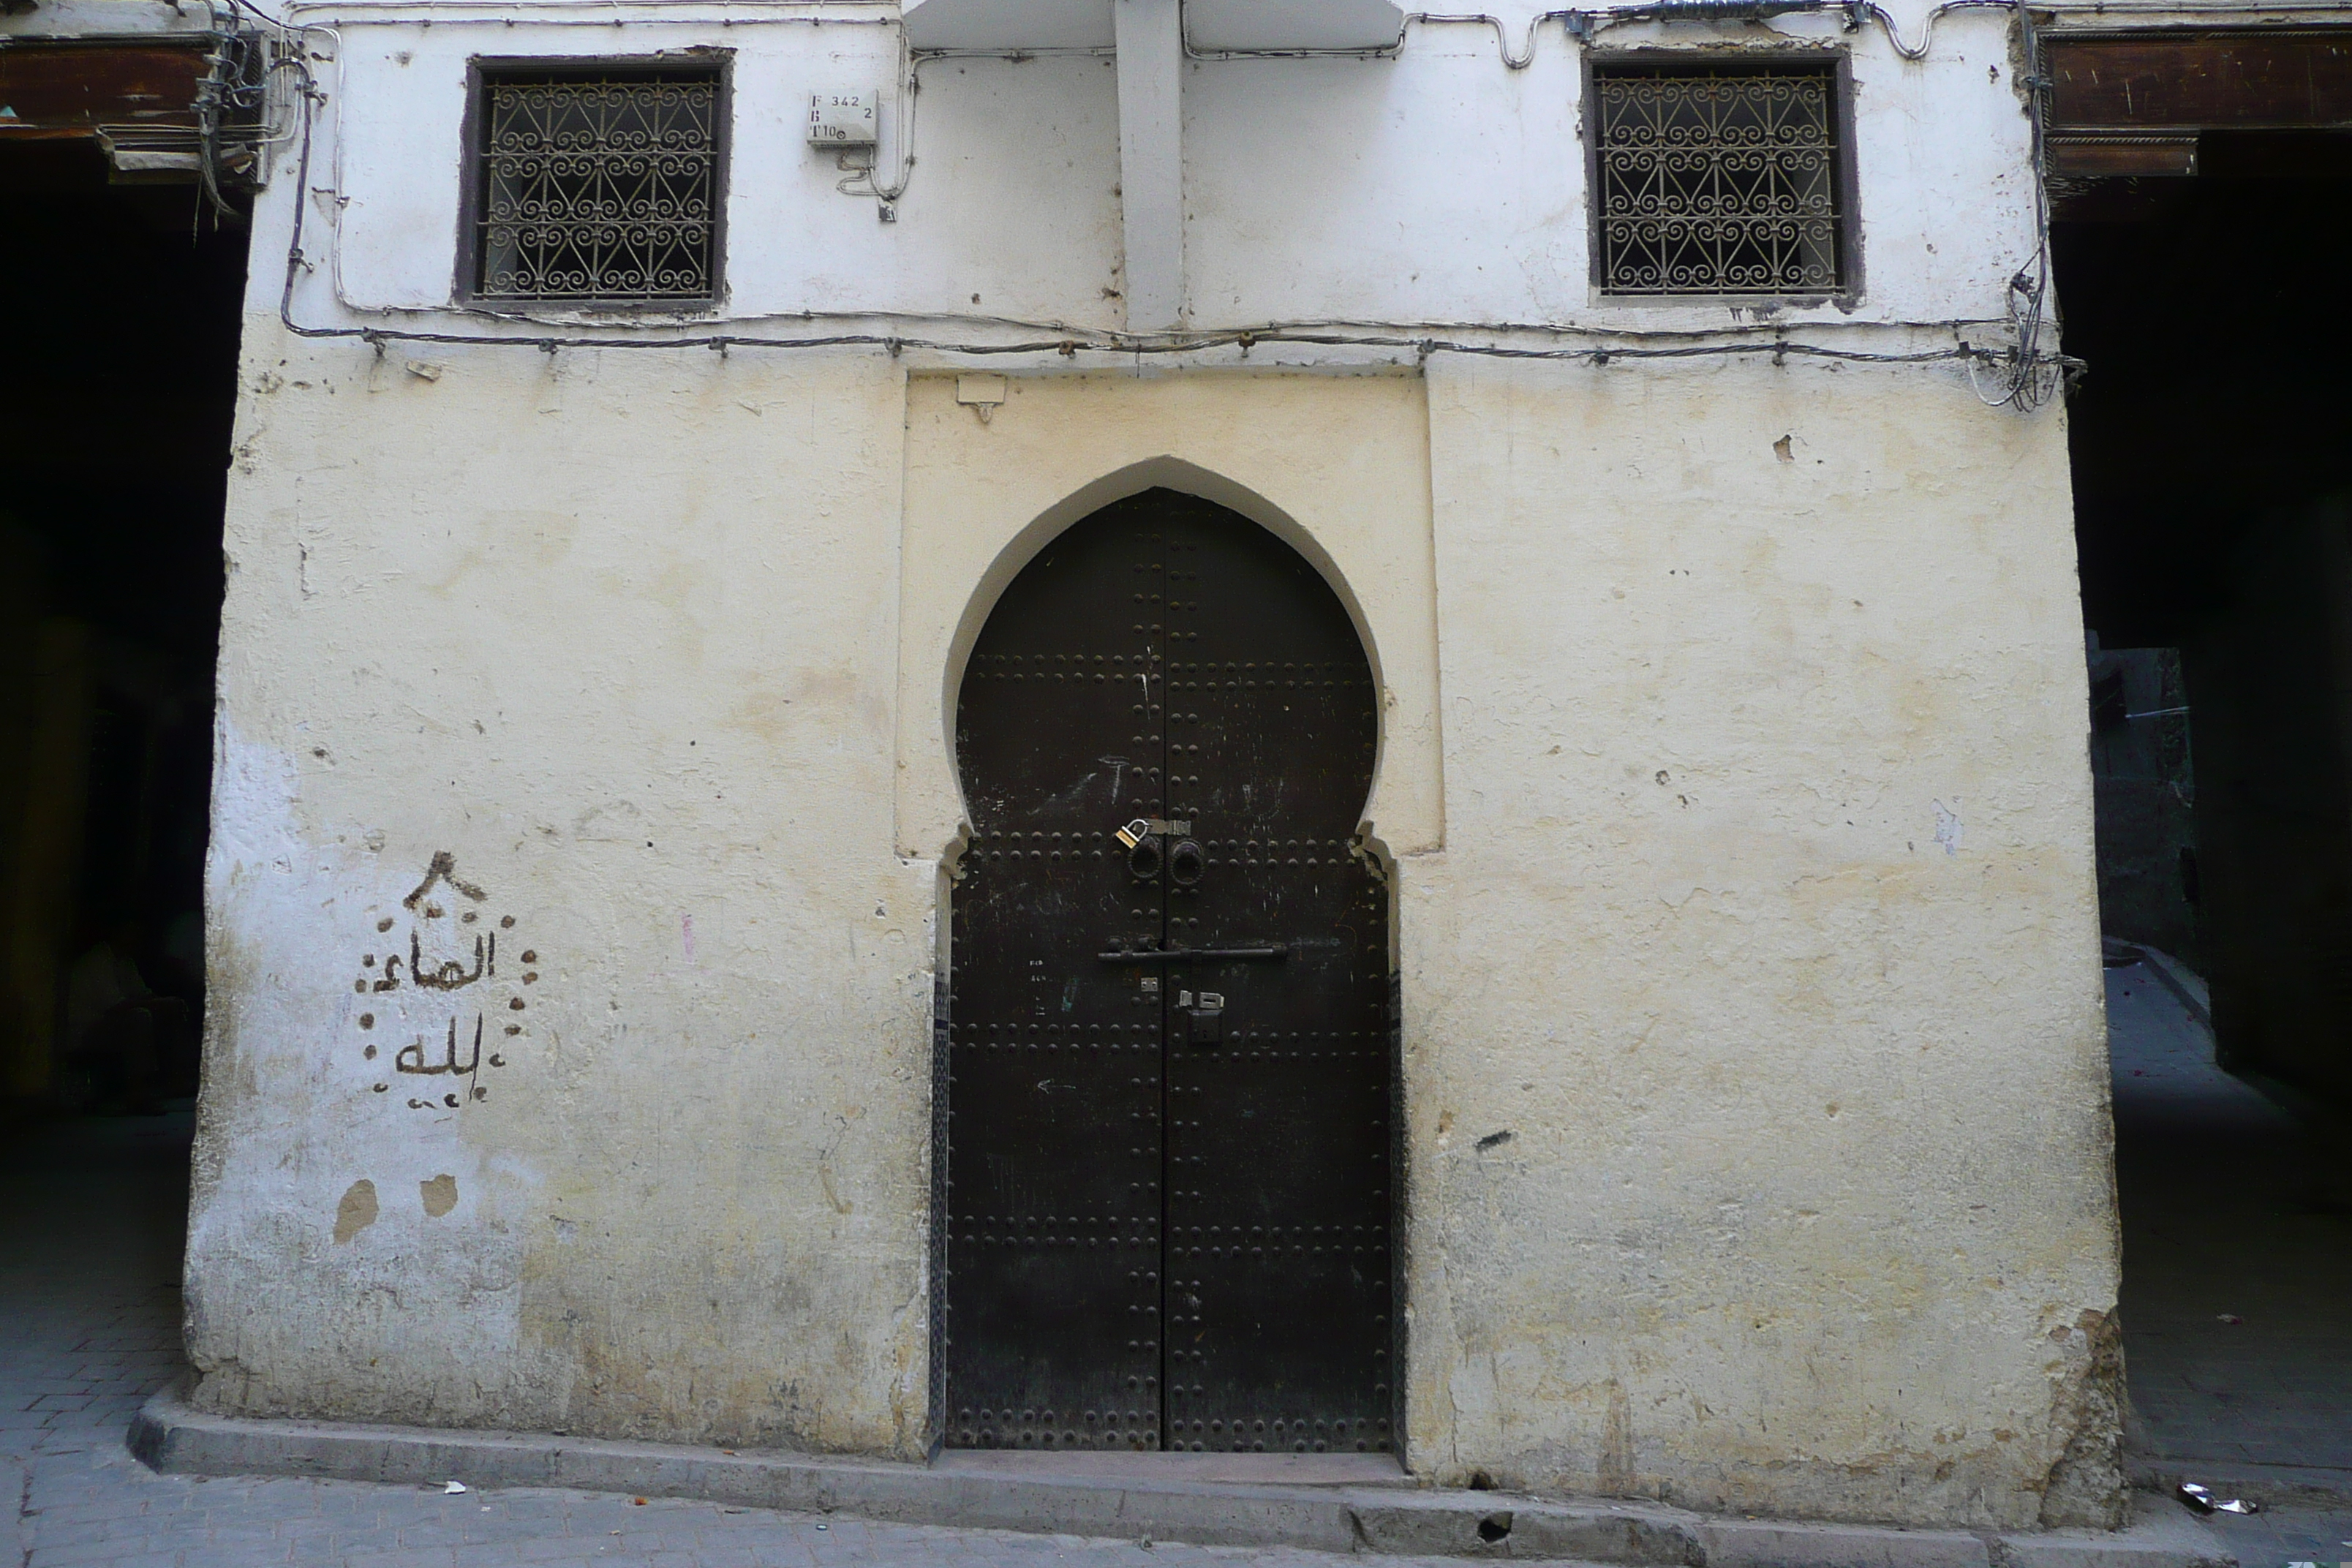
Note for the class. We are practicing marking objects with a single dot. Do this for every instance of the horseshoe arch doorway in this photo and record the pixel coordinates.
(1167, 1169)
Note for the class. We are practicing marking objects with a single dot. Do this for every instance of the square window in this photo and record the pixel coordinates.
(596, 184)
(1719, 178)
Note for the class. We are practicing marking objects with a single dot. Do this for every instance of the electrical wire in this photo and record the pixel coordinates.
(909, 95)
(1583, 25)
(497, 15)
(2030, 383)
(1526, 55)
(2027, 370)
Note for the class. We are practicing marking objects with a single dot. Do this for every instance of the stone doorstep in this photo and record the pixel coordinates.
(1316, 1515)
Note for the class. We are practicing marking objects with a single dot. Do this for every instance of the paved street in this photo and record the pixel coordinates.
(2237, 1301)
(2218, 1218)
(2237, 1264)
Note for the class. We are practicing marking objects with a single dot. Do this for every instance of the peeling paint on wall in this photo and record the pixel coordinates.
(637, 1241)
(701, 1213)
(356, 1212)
(2086, 1486)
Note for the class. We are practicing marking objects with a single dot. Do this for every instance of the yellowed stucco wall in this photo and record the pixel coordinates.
(1806, 1188)
(617, 632)
(1337, 464)
(1758, 1149)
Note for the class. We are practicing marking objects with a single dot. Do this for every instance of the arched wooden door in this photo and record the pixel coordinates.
(1166, 1191)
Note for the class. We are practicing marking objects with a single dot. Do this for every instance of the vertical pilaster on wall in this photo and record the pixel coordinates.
(1151, 160)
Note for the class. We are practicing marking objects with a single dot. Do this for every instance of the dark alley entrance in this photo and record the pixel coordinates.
(121, 348)
(2213, 494)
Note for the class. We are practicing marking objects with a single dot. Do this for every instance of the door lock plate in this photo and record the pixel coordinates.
(1204, 1017)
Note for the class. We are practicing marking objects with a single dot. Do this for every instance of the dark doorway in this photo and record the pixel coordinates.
(2213, 497)
(1167, 1159)
(122, 348)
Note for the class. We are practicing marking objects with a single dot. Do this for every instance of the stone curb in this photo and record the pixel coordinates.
(169, 1437)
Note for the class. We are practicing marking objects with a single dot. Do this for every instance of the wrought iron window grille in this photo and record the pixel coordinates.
(1719, 179)
(598, 187)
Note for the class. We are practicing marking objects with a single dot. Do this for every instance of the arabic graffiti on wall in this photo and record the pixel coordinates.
(446, 999)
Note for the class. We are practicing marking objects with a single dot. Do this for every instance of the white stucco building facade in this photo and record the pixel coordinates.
(1731, 791)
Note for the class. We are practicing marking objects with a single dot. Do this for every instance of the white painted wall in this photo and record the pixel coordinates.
(1436, 185)
(1151, 43)
(1803, 1206)
(986, 128)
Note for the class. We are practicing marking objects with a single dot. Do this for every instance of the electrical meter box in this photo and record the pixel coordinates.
(842, 119)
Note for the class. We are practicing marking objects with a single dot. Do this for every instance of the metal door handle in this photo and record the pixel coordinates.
(1179, 955)
(1144, 860)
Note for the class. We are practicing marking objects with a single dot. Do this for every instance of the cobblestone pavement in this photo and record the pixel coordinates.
(90, 1223)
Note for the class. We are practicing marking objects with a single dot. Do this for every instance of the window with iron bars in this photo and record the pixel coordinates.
(596, 185)
(1720, 178)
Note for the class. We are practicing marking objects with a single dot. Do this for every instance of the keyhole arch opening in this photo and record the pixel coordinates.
(1137, 612)
(1164, 472)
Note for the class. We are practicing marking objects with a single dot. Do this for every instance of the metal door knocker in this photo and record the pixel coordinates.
(1186, 864)
(1143, 860)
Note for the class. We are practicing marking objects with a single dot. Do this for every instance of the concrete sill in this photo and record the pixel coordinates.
(1323, 1504)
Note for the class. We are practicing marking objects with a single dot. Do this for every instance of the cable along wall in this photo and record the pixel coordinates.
(2004, 354)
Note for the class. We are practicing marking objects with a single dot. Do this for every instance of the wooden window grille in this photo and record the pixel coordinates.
(1719, 179)
(597, 186)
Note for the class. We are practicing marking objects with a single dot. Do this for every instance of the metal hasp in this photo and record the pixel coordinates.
(1168, 1192)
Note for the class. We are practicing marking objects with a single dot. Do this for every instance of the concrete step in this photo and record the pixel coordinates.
(1337, 1503)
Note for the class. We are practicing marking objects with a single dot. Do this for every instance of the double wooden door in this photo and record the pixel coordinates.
(1167, 1183)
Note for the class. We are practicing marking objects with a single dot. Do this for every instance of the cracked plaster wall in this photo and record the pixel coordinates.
(1805, 1205)
(615, 633)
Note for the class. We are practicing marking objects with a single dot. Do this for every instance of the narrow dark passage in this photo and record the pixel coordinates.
(2213, 490)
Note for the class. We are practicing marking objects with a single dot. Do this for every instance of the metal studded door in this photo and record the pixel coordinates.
(1166, 1162)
